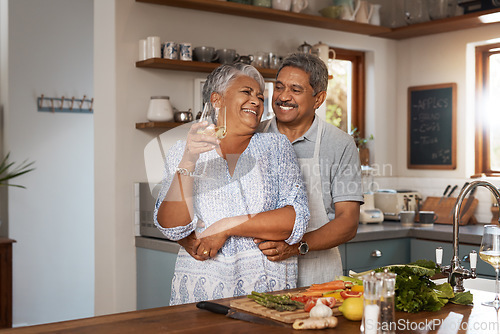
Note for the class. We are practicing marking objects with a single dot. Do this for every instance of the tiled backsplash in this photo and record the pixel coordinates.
(435, 187)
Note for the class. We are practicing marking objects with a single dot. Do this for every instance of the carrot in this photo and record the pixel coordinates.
(333, 285)
(312, 293)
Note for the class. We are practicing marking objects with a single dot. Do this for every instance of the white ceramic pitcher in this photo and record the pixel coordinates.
(364, 12)
(349, 11)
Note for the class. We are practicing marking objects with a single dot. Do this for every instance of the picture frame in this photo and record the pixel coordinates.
(268, 93)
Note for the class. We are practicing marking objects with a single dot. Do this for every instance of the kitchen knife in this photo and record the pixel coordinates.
(452, 191)
(467, 205)
(444, 193)
(235, 314)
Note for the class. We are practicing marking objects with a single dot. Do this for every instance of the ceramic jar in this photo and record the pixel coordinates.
(160, 109)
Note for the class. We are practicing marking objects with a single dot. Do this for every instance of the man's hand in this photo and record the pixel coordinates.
(276, 250)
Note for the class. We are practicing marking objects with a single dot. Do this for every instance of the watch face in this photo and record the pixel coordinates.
(303, 248)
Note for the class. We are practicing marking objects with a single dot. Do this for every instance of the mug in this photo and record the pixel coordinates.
(299, 5)
(204, 53)
(282, 4)
(407, 217)
(227, 56)
(170, 50)
(185, 51)
(427, 217)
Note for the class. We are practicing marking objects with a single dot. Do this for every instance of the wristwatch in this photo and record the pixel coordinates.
(303, 248)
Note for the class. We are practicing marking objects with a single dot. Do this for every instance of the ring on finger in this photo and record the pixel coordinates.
(277, 252)
(205, 252)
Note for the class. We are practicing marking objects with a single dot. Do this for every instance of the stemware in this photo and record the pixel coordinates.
(490, 253)
(216, 118)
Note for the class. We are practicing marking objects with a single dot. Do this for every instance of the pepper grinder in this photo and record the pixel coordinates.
(387, 302)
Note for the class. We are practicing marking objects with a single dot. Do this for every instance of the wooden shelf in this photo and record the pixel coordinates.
(466, 21)
(455, 23)
(269, 14)
(157, 125)
(192, 66)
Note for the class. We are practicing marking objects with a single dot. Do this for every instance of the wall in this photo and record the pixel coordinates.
(434, 59)
(50, 49)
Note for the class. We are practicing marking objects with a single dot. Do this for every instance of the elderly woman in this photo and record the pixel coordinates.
(220, 194)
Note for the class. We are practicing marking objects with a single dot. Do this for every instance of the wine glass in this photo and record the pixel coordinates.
(216, 118)
(490, 253)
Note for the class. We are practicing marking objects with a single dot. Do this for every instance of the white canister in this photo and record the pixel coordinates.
(143, 50)
(154, 47)
(160, 109)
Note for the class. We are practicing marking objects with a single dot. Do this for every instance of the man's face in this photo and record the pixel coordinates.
(293, 97)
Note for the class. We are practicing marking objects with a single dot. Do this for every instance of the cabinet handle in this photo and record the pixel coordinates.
(376, 253)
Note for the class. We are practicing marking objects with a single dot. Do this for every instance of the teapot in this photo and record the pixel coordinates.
(305, 48)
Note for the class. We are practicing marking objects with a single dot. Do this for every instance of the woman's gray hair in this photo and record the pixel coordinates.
(312, 65)
(219, 80)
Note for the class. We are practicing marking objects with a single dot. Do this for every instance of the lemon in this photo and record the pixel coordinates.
(352, 308)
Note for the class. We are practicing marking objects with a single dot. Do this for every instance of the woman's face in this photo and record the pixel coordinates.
(244, 102)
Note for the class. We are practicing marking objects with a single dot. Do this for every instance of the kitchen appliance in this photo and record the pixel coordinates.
(368, 213)
(391, 202)
(147, 198)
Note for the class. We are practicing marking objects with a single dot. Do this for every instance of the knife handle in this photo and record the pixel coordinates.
(213, 307)
(452, 190)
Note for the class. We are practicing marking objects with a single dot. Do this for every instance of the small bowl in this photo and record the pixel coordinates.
(183, 116)
(333, 12)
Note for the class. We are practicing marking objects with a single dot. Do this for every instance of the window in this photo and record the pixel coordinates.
(345, 101)
(488, 110)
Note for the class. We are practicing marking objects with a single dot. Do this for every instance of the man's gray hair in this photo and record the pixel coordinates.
(219, 80)
(312, 65)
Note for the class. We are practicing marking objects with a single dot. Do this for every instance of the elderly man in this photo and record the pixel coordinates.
(330, 165)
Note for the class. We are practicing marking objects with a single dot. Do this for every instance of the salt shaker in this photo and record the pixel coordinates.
(372, 286)
(387, 302)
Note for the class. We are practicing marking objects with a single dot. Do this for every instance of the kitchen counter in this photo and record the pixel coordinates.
(469, 234)
(188, 319)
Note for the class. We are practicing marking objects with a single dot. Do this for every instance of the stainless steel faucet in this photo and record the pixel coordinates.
(455, 272)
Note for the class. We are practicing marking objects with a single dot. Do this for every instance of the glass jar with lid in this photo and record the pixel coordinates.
(160, 109)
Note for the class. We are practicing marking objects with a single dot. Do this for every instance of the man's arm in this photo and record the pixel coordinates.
(336, 232)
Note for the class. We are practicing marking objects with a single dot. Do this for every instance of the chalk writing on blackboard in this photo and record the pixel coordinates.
(431, 126)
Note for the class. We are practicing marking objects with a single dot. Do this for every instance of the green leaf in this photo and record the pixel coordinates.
(356, 281)
(444, 290)
(463, 298)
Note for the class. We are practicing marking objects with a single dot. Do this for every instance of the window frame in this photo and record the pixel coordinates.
(482, 131)
(357, 58)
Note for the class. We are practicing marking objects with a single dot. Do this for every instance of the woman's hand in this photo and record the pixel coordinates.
(197, 143)
(191, 245)
(276, 250)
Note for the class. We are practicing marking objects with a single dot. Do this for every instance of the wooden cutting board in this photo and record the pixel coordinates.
(444, 209)
(248, 305)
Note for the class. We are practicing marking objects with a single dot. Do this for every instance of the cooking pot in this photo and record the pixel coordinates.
(305, 48)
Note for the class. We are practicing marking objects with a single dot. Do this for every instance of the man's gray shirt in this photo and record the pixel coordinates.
(339, 162)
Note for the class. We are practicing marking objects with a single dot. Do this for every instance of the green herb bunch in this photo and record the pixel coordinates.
(416, 292)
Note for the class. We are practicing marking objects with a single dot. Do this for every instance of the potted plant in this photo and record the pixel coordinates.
(361, 143)
(6, 174)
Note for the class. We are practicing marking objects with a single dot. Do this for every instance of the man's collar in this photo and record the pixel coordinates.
(310, 134)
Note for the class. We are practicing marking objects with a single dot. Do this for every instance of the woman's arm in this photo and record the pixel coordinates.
(287, 222)
(174, 208)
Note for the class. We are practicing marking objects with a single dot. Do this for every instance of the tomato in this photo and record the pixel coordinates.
(357, 288)
(348, 294)
(302, 299)
(310, 304)
(328, 301)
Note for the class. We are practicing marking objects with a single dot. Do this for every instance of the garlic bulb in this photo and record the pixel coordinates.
(320, 310)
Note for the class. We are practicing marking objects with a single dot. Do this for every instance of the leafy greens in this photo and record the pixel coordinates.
(416, 292)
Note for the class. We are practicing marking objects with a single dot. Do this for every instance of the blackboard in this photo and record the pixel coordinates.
(432, 127)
